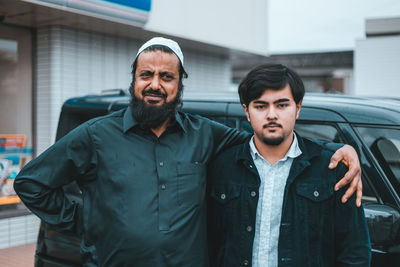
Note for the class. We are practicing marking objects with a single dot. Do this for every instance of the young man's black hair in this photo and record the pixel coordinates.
(270, 76)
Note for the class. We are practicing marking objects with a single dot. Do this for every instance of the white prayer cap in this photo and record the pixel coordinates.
(171, 44)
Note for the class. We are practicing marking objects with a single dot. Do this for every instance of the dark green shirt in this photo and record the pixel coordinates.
(143, 196)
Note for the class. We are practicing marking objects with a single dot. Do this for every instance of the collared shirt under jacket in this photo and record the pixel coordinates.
(316, 229)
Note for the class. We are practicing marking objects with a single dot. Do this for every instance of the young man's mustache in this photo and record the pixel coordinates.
(272, 124)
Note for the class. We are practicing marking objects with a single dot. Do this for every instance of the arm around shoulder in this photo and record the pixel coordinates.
(226, 137)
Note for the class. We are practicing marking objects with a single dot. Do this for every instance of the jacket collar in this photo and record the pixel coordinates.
(308, 148)
(129, 122)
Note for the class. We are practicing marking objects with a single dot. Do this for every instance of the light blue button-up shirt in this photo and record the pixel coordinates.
(269, 208)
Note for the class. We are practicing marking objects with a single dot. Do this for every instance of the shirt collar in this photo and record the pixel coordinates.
(293, 152)
(129, 122)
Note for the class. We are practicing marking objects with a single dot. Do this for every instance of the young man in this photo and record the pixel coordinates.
(271, 199)
(142, 172)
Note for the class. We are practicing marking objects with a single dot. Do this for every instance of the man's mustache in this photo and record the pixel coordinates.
(272, 124)
(152, 92)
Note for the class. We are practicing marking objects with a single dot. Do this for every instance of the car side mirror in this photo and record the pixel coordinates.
(384, 226)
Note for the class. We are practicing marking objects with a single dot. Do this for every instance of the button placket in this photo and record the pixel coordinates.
(164, 178)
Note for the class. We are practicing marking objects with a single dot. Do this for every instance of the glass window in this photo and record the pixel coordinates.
(15, 104)
(327, 132)
(384, 144)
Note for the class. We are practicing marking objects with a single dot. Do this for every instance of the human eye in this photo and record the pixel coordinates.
(259, 107)
(167, 76)
(282, 105)
(145, 75)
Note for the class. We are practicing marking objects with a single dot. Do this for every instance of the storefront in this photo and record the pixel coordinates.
(15, 107)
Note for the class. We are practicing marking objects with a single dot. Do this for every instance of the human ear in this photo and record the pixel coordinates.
(298, 108)
(246, 110)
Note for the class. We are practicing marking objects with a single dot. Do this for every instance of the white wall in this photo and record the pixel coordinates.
(235, 24)
(18, 231)
(377, 66)
(74, 63)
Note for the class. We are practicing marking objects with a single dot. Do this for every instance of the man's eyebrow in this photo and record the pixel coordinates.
(281, 100)
(275, 102)
(146, 71)
(167, 73)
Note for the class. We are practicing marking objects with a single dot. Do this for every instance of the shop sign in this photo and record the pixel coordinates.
(132, 11)
(13, 156)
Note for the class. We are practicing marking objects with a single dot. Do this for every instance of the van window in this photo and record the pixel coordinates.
(384, 143)
(327, 132)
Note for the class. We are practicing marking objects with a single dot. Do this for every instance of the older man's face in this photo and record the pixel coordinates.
(156, 78)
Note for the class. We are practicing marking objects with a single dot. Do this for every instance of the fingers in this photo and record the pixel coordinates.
(352, 188)
(343, 182)
(355, 185)
(335, 159)
(349, 176)
(349, 157)
(359, 193)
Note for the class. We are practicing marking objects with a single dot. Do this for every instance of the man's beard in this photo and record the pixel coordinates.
(150, 117)
(273, 141)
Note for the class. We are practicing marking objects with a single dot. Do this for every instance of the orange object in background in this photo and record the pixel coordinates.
(12, 141)
(12, 159)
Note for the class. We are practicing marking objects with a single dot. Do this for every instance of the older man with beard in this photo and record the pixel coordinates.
(141, 171)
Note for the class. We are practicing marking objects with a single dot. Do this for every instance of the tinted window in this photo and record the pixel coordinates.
(384, 144)
(326, 132)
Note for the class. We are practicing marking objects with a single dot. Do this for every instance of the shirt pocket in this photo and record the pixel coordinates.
(314, 192)
(191, 183)
(224, 193)
(314, 211)
(224, 209)
(314, 206)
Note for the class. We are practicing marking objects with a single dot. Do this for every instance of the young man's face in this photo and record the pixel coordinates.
(157, 78)
(273, 115)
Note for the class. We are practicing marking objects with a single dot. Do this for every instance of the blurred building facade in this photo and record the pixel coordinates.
(51, 50)
(322, 72)
(377, 59)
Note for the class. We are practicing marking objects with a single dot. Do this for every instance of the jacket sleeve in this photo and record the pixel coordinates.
(331, 146)
(352, 244)
(225, 137)
(40, 183)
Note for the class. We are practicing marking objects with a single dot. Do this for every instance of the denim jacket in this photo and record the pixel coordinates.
(316, 228)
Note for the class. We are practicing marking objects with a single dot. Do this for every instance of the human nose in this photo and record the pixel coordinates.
(155, 82)
(271, 113)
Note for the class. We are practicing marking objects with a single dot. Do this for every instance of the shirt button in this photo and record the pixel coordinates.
(249, 228)
(223, 196)
(251, 166)
(253, 194)
(245, 262)
(161, 163)
(163, 187)
(316, 194)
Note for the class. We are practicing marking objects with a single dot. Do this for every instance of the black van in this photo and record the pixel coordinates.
(370, 125)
